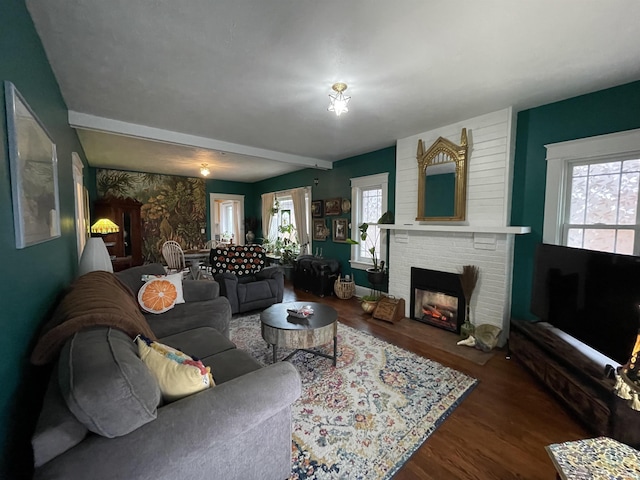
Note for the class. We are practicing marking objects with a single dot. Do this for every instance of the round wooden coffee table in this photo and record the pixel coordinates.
(280, 329)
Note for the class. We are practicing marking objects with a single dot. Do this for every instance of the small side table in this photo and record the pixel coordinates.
(594, 458)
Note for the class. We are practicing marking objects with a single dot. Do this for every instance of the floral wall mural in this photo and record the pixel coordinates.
(174, 208)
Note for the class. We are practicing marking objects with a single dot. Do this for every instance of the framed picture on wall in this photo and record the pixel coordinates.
(340, 229)
(34, 173)
(316, 208)
(333, 206)
(320, 230)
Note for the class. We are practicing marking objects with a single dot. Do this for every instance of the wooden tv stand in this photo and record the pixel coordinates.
(574, 372)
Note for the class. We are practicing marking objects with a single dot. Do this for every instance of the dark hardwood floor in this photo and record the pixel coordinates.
(500, 429)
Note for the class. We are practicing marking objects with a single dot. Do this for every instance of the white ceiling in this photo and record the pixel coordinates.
(251, 78)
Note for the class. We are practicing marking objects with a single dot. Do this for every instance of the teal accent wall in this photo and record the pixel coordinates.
(35, 276)
(332, 184)
(607, 111)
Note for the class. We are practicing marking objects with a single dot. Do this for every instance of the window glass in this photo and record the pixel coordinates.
(602, 206)
(371, 212)
(368, 202)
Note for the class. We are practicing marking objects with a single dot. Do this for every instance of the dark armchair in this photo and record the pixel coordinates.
(244, 280)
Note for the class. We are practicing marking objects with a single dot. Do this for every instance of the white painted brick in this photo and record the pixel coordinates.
(487, 205)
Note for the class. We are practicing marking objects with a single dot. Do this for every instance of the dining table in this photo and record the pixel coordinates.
(194, 258)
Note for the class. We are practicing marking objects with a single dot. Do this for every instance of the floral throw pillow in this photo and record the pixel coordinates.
(178, 374)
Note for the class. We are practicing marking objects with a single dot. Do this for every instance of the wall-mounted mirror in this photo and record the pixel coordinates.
(442, 180)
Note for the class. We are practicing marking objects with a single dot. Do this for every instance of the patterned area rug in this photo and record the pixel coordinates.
(364, 418)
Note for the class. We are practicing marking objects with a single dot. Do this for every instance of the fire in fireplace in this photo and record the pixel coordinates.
(436, 308)
(437, 298)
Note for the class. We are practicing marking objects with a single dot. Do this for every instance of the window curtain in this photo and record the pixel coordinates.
(301, 215)
(267, 212)
(238, 228)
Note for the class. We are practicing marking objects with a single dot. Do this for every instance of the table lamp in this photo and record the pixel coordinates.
(104, 226)
(95, 255)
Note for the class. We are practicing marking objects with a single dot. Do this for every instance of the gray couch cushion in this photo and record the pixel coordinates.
(105, 384)
(228, 365)
(58, 429)
(250, 292)
(199, 342)
(214, 313)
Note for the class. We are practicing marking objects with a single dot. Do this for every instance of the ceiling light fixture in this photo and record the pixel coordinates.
(204, 170)
(339, 101)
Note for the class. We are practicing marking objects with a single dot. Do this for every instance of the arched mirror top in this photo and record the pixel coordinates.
(442, 180)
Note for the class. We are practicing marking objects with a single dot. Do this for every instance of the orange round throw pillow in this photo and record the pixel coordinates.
(157, 296)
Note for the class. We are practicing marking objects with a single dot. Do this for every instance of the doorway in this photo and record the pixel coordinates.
(227, 218)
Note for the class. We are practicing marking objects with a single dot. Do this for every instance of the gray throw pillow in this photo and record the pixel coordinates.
(105, 384)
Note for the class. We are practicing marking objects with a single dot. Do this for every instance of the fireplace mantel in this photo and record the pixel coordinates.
(456, 228)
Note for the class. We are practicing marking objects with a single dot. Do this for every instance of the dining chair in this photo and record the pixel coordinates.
(174, 256)
(207, 261)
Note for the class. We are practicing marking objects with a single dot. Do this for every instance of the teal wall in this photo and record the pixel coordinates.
(607, 111)
(34, 276)
(335, 183)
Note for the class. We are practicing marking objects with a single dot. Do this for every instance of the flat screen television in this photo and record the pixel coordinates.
(592, 296)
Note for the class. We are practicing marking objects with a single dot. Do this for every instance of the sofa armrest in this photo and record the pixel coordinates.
(182, 441)
(199, 290)
(229, 288)
(269, 272)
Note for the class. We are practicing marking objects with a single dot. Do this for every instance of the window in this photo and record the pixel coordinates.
(294, 210)
(592, 197)
(227, 217)
(284, 216)
(369, 202)
(81, 197)
(602, 200)
(227, 221)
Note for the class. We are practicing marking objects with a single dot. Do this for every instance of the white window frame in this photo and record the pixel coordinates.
(561, 156)
(357, 186)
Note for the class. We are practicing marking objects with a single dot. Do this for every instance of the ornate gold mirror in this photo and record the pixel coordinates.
(442, 180)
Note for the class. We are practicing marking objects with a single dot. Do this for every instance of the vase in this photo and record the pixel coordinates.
(369, 305)
(467, 328)
(250, 237)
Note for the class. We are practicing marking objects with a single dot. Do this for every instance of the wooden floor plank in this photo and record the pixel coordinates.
(497, 433)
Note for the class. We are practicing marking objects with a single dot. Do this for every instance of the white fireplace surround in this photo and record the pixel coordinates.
(486, 239)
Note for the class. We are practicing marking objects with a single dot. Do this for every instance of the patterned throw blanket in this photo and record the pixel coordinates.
(95, 299)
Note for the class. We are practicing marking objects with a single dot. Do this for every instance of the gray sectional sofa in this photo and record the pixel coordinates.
(103, 418)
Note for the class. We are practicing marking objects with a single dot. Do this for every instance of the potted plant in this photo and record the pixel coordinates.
(287, 248)
(376, 275)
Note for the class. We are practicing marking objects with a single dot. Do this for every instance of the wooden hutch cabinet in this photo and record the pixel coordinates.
(126, 245)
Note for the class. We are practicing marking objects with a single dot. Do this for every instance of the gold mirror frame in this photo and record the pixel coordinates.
(444, 151)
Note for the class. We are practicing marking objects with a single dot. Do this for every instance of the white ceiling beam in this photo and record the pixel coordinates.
(101, 124)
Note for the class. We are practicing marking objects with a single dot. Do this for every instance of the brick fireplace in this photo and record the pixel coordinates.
(485, 239)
